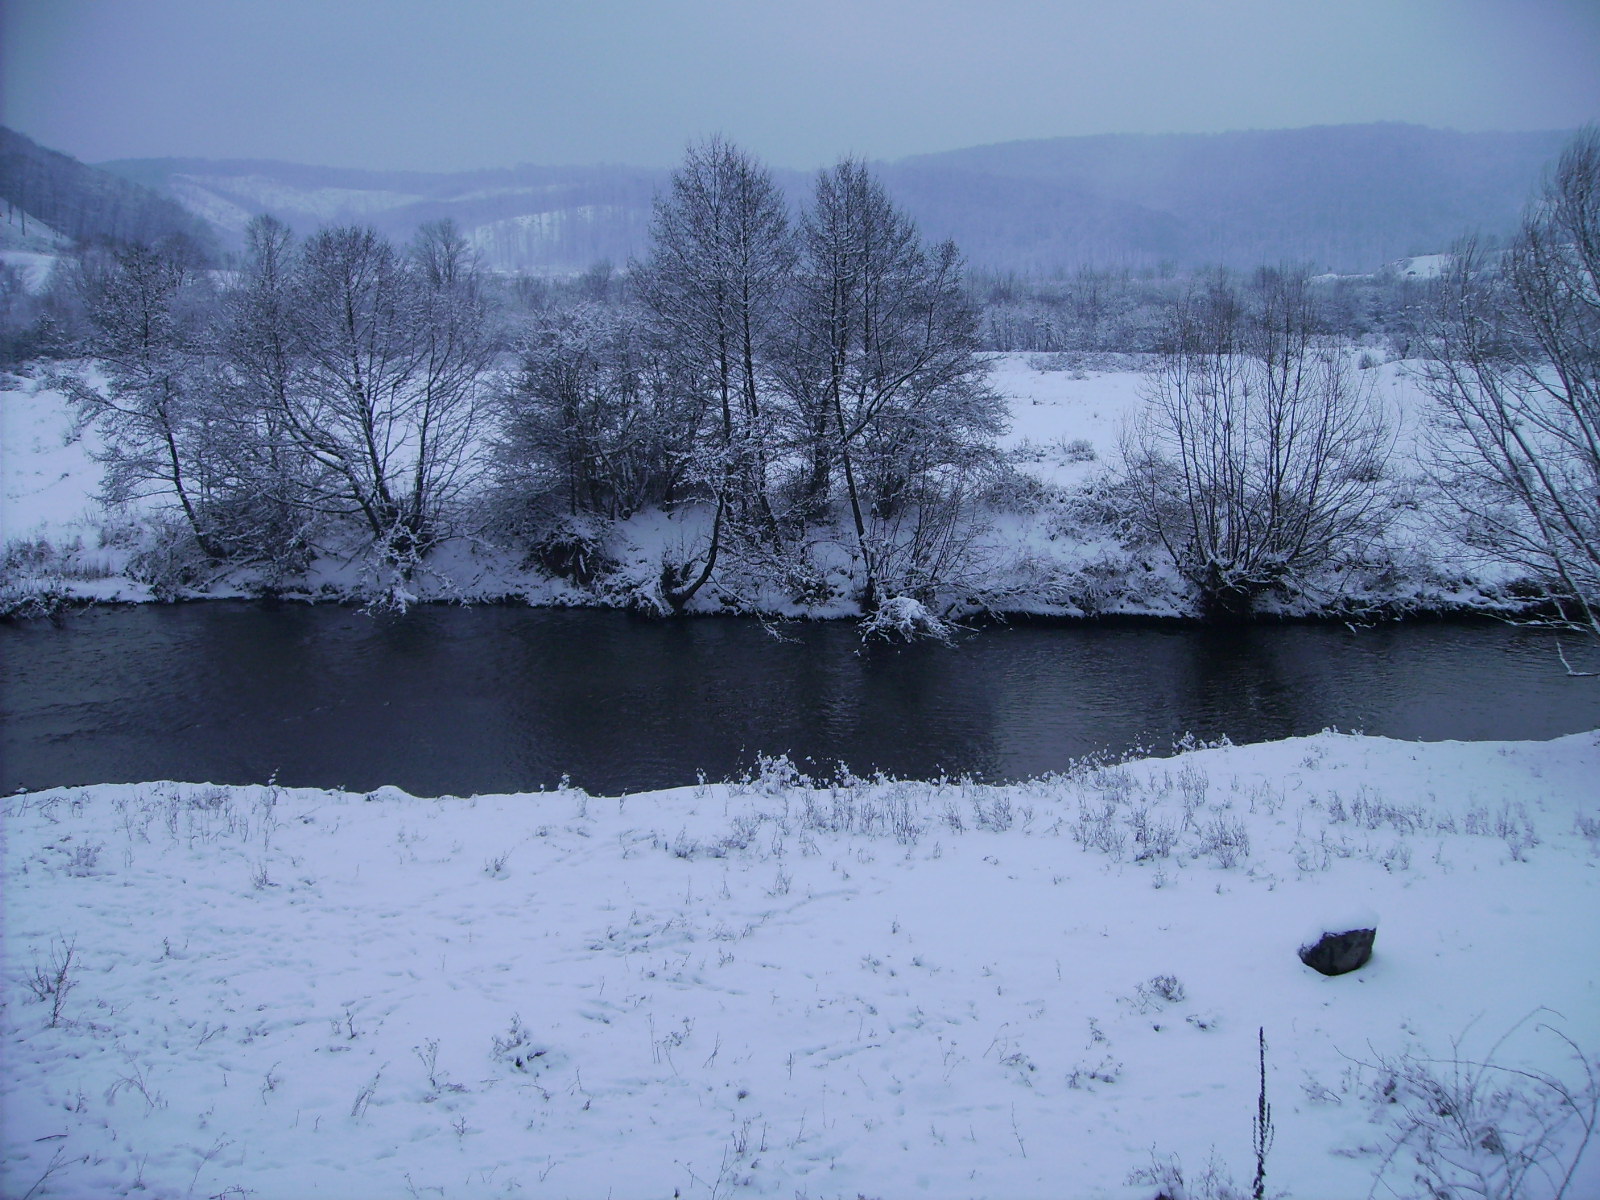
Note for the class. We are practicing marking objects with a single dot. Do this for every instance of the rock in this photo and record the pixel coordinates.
(1338, 953)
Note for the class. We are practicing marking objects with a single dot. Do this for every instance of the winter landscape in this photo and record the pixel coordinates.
(1126, 350)
(773, 987)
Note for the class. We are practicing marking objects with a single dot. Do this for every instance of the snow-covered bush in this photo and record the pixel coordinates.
(900, 618)
(170, 561)
(26, 597)
(1077, 450)
(573, 548)
(1482, 1128)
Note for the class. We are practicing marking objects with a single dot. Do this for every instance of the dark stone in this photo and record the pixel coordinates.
(1337, 953)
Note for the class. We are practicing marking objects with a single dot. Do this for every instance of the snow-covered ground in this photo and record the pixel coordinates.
(33, 266)
(768, 989)
(48, 478)
(49, 496)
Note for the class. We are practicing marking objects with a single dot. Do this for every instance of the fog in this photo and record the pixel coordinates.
(409, 84)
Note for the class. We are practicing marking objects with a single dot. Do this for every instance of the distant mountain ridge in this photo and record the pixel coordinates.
(1344, 198)
(1336, 197)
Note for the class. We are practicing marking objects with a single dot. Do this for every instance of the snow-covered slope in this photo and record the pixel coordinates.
(524, 242)
(327, 204)
(22, 232)
(48, 477)
(34, 266)
(774, 989)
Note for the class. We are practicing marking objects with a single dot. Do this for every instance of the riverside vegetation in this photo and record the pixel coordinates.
(794, 413)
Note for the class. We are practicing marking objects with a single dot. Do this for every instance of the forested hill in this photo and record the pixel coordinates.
(82, 202)
(1338, 197)
(1343, 198)
(527, 218)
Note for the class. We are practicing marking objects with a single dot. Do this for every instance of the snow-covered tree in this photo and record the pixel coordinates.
(720, 256)
(454, 330)
(586, 427)
(888, 393)
(1514, 372)
(148, 306)
(280, 490)
(386, 392)
(1260, 455)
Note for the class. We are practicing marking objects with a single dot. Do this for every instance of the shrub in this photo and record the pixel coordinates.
(1482, 1128)
(574, 549)
(1078, 450)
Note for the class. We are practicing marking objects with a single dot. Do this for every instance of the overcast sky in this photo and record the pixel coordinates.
(454, 84)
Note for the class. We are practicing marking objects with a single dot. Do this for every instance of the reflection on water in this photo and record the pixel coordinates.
(447, 700)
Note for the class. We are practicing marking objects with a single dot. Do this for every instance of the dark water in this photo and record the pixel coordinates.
(449, 700)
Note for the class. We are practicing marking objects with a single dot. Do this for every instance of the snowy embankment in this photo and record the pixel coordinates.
(768, 988)
(1058, 546)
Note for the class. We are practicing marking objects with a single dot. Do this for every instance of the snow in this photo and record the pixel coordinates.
(325, 203)
(774, 988)
(1052, 407)
(34, 267)
(905, 618)
(499, 193)
(1418, 267)
(22, 232)
(47, 476)
(526, 234)
(196, 196)
(1421, 266)
(1068, 416)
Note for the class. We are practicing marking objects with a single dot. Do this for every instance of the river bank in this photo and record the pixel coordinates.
(1053, 544)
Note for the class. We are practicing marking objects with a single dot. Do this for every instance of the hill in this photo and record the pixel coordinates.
(81, 203)
(1337, 198)
(528, 218)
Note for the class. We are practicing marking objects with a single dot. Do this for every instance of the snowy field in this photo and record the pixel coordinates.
(772, 989)
(49, 480)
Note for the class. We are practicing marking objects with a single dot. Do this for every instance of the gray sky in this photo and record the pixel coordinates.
(453, 84)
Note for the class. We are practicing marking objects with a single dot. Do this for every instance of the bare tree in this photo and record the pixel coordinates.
(350, 413)
(385, 396)
(262, 367)
(148, 307)
(1514, 373)
(886, 385)
(1260, 455)
(720, 255)
(456, 347)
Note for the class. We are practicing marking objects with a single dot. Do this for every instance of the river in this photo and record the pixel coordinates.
(447, 700)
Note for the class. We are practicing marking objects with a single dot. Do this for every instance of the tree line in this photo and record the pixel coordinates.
(1102, 311)
(769, 371)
